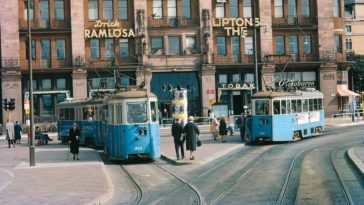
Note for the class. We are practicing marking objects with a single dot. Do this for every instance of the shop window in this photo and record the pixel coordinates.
(249, 78)
(235, 45)
(124, 48)
(222, 78)
(338, 43)
(157, 9)
(248, 45)
(172, 8)
(306, 44)
(220, 10)
(247, 8)
(186, 9)
(280, 45)
(109, 48)
(61, 83)
(94, 48)
(157, 44)
(45, 49)
(44, 9)
(46, 84)
(59, 10)
(31, 10)
(234, 8)
(47, 105)
(236, 78)
(221, 45)
(278, 8)
(108, 9)
(305, 8)
(308, 76)
(61, 49)
(174, 45)
(123, 9)
(27, 49)
(93, 9)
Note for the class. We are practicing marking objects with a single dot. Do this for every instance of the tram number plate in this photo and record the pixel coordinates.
(138, 148)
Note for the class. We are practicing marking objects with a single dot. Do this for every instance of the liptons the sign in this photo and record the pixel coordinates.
(108, 29)
(236, 26)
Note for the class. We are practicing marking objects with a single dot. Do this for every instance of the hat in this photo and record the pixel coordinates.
(190, 118)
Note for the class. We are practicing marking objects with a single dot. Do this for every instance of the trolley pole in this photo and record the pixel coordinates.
(31, 131)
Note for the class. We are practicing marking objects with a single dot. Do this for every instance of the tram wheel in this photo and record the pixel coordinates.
(296, 135)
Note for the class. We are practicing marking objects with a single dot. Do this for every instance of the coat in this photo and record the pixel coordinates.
(248, 125)
(18, 130)
(10, 131)
(191, 130)
(177, 130)
(75, 140)
(222, 128)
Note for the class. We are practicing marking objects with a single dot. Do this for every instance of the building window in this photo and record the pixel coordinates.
(157, 9)
(60, 83)
(236, 78)
(221, 45)
(124, 48)
(248, 43)
(338, 43)
(235, 45)
(93, 9)
(348, 28)
(234, 8)
(108, 9)
(47, 103)
(293, 45)
(186, 9)
(94, 48)
(61, 49)
(220, 10)
(174, 45)
(305, 8)
(280, 45)
(44, 9)
(45, 46)
(109, 48)
(278, 8)
(27, 49)
(348, 44)
(157, 44)
(292, 8)
(172, 8)
(191, 42)
(59, 10)
(306, 44)
(337, 10)
(123, 9)
(31, 10)
(46, 84)
(222, 78)
(247, 8)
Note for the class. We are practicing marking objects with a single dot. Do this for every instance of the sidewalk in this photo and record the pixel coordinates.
(356, 155)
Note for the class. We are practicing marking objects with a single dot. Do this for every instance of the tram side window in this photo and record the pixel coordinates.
(311, 105)
(154, 111)
(320, 104)
(305, 105)
(137, 112)
(283, 106)
(294, 106)
(66, 114)
(88, 113)
(261, 107)
(276, 107)
(118, 114)
(289, 110)
(298, 106)
(61, 115)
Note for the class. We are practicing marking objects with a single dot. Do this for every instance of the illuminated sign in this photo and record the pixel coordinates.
(235, 26)
(108, 29)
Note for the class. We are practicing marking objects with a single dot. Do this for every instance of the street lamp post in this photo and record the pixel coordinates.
(255, 50)
(31, 133)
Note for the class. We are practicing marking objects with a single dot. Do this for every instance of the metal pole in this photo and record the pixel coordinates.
(31, 131)
(255, 51)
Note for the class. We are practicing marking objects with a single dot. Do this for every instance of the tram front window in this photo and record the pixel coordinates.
(137, 112)
(262, 107)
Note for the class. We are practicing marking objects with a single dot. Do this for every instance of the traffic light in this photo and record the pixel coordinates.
(11, 104)
(5, 105)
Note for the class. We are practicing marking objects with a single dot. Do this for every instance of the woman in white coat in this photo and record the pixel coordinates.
(10, 136)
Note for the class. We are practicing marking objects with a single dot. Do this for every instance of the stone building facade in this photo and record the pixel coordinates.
(218, 49)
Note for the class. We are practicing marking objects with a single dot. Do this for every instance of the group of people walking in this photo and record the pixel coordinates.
(221, 127)
(13, 132)
(188, 133)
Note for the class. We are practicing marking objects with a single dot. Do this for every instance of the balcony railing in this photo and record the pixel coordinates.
(177, 21)
(46, 63)
(40, 24)
(293, 21)
(233, 58)
(110, 62)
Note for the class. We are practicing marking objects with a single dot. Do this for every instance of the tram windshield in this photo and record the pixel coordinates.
(262, 107)
(154, 111)
(137, 112)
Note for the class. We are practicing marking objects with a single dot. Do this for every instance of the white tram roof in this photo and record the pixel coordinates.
(92, 101)
(132, 94)
(298, 94)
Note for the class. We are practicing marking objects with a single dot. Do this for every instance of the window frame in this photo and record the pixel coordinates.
(152, 46)
(157, 9)
(171, 40)
(60, 9)
(108, 15)
(94, 16)
(123, 10)
(219, 45)
(63, 49)
(94, 47)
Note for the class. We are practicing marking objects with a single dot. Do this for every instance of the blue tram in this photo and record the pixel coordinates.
(132, 125)
(283, 116)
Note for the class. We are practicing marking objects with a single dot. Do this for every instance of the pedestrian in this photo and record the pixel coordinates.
(10, 136)
(17, 130)
(39, 135)
(223, 128)
(248, 127)
(241, 123)
(74, 141)
(191, 130)
(214, 127)
(177, 130)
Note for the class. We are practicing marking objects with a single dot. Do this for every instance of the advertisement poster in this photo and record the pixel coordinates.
(179, 105)
(303, 118)
(314, 117)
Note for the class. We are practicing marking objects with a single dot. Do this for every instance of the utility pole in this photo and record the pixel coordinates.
(31, 131)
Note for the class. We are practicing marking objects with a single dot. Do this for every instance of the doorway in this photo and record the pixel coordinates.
(238, 103)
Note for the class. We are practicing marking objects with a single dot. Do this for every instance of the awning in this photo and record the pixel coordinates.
(343, 91)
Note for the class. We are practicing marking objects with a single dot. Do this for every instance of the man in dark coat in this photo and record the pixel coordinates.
(191, 130)
(17, 131)
(248, 127)
(241, 124)
(177, 130)
(74, 141)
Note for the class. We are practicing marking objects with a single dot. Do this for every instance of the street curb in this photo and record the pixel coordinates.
(171, 160)
(105, 197)
(355, 160)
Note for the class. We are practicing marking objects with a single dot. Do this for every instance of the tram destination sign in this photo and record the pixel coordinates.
(108, 29)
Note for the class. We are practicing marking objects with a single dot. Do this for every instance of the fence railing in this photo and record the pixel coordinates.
(178, 21)
(293, 21)
(41, 24)
(346, 117)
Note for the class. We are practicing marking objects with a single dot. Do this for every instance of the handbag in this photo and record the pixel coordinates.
(198, 141)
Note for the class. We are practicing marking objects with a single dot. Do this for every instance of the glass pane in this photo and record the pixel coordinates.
(220, 10)
(123, 9)
(283, 107)
(109, 48)
(292, 12)
(305, 105)
(46, 84)
(94, 48)
(261, 107)
(124, 48)
(59, 9)
(293, 47)
(137, 112)
(154, 111)
(235, 45)
(236, 78)
(248, 45)
(247, 8)
(190, 42)
(174, 46)
(280, 45)
(234, 9)
(222, 78)
(276, 107)
(221, 46)
(186, 9)
(157, 9)
(60, 97)
(305, 8)
(47, 105)
(25, 12)
(157, 43)
(93, 9)
(44, 9)
(108, 9)
(61, 83)
(45, 49)
(60, 43)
